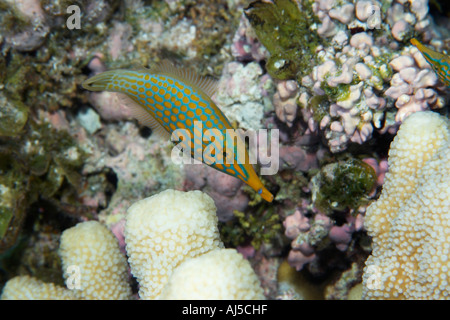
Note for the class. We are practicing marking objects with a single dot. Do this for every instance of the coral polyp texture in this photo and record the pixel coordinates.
(233, 277)
(174, 251)
(30, 288)
(93, 264)
(410, 222)
(169, 227)
(89, 250)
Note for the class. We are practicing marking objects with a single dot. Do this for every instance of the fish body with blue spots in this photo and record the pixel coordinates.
(438, 61)
(166, 98)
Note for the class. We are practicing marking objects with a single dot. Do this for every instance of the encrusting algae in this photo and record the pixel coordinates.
(166, 99)
(283, 27)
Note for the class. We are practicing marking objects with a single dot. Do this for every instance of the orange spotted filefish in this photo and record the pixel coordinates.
(438, 61)
(166, 98)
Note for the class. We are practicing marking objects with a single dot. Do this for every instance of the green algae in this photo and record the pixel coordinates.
(319, 106)
(290, 183)
(342, 185)
(284, 29)
(7, 196)
(258, 227)
(259, 224)
(46, 80)
(13, 199)
(13, 116)
(35, 165)
(133, 13)
(6, 215)
(214, 23)
(17, 76)
(13, 19)
(49, 77)
(381, 70)
(338, 93)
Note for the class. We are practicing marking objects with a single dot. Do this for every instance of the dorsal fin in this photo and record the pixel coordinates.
(207, 84)
(143, 116)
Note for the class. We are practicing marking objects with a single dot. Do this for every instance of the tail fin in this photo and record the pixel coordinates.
(100, 82)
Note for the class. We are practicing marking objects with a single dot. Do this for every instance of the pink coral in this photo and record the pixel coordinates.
(351, 115)
(380, 168)
(118, 230)
(411, 84)
(312, 231)
(355, 64)
(248, 251)
(341, 235)
(404, 20)
(285, 101)
(109, 106)
(295, 157)
(224, 189)
(298, 260)
(246, 46)
(96, 64)
(305, 233)
(294, 224)
(118, 41)
(328, 27)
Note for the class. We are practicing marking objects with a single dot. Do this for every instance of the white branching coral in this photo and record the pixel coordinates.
(93, 263)
(163, 231)
(221, 274)
(410, 222)
(30, 288)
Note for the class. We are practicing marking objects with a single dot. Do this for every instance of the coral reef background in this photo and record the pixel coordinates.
(337, 78)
